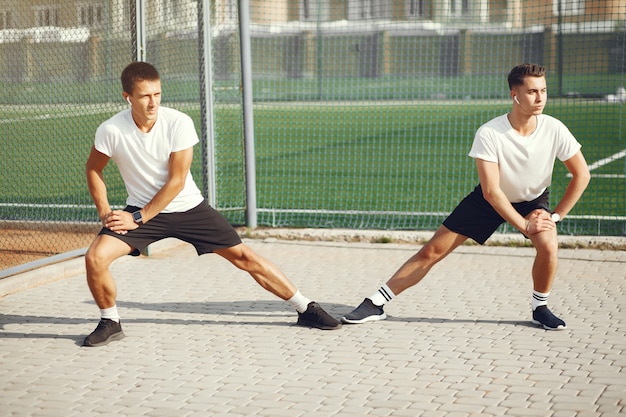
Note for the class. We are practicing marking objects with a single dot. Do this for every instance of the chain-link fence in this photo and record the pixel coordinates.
(364, 110)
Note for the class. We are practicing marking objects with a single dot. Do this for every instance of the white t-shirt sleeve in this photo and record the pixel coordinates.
(568, 146)
(184, 134)
(104, 141)
(484, 146)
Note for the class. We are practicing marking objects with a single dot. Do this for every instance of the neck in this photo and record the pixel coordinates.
(523, 124)
(144, 126)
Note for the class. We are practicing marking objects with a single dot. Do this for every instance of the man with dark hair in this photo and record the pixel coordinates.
(153, 149)
(515, 155)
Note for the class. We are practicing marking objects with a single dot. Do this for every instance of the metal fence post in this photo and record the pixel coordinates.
(139, 29)
(206, 103)
(248, 123)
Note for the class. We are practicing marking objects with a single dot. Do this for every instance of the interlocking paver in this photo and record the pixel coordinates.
(202, 339)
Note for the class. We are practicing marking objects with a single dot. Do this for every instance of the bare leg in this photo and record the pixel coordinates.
(102, 252)
(543, 273)
(415, 268)
(413, 271)
(546, 260)
(268, 276)
(264, 272)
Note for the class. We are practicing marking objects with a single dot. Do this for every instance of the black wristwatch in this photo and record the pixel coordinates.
(556, 217)
(137, 218)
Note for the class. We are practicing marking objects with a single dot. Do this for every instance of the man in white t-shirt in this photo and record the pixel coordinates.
(153, 149)
(514, 155)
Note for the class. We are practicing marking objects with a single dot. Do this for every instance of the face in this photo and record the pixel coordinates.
(532, 95)
(145, 101)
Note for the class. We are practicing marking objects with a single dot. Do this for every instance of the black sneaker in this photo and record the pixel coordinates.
(315, 316)
(107, 331)
(366, 311)
(544, 317)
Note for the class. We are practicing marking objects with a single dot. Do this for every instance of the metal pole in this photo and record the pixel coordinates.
(140, 26)
(560, 48)
(206, 104)
(248, 122)
(320, 51)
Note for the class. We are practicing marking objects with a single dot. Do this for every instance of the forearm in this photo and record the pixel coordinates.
(161, 199)
(573, 192)
(504, 208)
(98, 192)
(489, 175)
(179, 165)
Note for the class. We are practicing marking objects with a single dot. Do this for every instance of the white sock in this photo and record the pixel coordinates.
(299, 302)
(539, 299)
(110, 313)
(382, 296)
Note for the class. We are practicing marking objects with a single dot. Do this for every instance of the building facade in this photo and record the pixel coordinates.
(182, 14)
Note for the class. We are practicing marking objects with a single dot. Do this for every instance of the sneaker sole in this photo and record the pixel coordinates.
(317, 326)
(364, 320)
(112, 338)
(549, 328)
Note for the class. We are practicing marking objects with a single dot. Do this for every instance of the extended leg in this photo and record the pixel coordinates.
(270, 277)
(443, 242)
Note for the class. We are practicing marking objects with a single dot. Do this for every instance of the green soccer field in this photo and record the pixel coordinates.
(332, 157)
(412, 158)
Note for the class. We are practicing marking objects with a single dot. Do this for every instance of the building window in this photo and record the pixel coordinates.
(568, 7)
(90, 15)
(369, 9)
(46, 16)
(179, 14)
(174, 11)
(226, 11)
(313, 10)
(6, 19)
(415, 8)
(459, 8)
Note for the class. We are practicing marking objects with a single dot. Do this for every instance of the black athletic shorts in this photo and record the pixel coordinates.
(475, 218)
(202, 226)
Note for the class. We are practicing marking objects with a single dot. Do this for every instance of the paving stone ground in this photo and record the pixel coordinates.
(202, 339)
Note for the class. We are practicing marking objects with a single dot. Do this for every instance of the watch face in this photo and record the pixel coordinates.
(555, 217)
(137, 217)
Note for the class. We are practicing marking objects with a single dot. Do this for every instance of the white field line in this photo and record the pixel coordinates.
(609, 176)
(58, 111)
(64, 111)
(606, 161)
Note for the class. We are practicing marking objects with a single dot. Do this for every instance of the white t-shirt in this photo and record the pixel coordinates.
(143, 158)
(525, 162)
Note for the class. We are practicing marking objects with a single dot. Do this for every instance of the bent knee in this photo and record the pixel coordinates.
(547, 243)
(95, 260)
(103, 252)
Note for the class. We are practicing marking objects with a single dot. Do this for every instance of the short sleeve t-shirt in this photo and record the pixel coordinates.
(143, 158)
(525, 162)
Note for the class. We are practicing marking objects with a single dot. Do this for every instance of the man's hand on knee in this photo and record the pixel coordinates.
(540, 221)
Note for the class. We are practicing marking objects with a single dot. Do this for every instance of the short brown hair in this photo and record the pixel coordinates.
(517, 74)
(138, 71)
